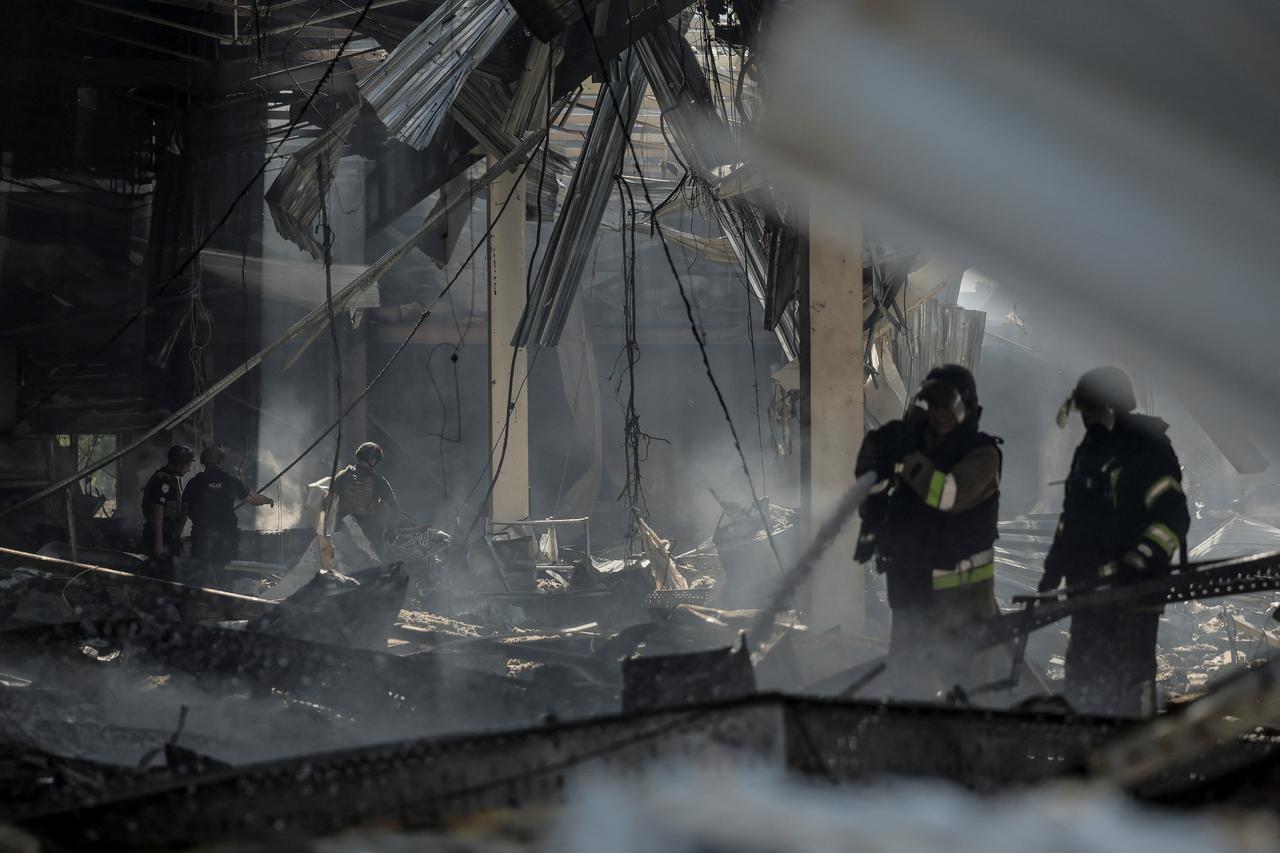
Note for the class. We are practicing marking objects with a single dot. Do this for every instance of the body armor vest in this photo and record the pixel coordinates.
(172, 508)
(358, 492)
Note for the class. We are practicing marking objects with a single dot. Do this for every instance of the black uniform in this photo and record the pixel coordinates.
(363, 494)
(931, 522)
(164, 489)
(1124, 516)
(211, 497)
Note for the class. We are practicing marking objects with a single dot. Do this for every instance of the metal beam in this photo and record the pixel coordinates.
(332, 16)
(508, 410)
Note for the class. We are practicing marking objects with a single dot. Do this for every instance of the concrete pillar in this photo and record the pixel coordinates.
(835, 407)
(507, 296)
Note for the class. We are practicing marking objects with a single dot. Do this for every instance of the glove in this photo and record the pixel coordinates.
(914, 423)
(1049, 581)
(1136, 559)
(866, 548)
(891, 445)
(1053, 575)
(912, 465)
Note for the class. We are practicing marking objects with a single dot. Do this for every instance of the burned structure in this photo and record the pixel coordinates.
(534, 352)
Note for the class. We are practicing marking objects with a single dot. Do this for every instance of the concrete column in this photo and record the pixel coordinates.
(836, 344)
(507, 296)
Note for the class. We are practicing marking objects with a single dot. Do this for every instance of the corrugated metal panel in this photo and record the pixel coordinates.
(413, 89)
(482, 108)
(294, 196)
(938, 334)
(576, 229)
(548, 18)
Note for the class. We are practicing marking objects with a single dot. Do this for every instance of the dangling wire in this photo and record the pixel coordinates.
(636, 441)
(326, 243)
(755, 388)
(323, 176)
(201, 327)
(680, 287)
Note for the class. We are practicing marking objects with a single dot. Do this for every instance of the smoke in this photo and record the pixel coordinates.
(289, 493)
(995, 139)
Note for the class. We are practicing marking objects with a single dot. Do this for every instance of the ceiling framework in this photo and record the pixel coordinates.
(422, 91)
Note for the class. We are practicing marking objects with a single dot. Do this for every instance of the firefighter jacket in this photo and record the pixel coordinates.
(931, 520)
(362, 492)
(1124, 511)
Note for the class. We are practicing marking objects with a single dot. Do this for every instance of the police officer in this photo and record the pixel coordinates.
(1124, 515)
(163, 514)
(363, 494)
(931, 524)
(211, 498)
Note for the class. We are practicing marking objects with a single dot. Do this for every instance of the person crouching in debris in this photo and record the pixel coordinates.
(211, 498)
(163, 514)
(363, 495)
(930, 522)
(1124, 515)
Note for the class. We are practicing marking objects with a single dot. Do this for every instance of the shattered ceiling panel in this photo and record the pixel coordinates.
(547, 18)
(688, 109)
(482, 108)
(413, 89)
(938, 334)
(294, 198)
(576, 229)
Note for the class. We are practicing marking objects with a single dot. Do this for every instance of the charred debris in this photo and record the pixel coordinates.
(608, 531)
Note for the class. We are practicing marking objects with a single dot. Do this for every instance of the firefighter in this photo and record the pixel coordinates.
(1124, 515)
(211, 498)
(930, 522)
(163, 514)
(363, 495)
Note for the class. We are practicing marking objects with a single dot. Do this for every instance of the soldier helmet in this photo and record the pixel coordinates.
(180, 454)
(1105, 386)
(213, 456)
(950, 385)
(369, 452)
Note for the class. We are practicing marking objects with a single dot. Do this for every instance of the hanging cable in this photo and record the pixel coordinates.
(684, 296)
(635, 440)
(577, 388)
(400, 348)
(326, 244)
(201, 329)
(755, 389)
(323, 175)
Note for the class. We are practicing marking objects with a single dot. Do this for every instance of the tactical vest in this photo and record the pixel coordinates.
(357, 492)
(172, 508)
(926, 548)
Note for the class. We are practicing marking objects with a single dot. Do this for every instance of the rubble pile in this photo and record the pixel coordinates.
(405, 702)
(1201, 642)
